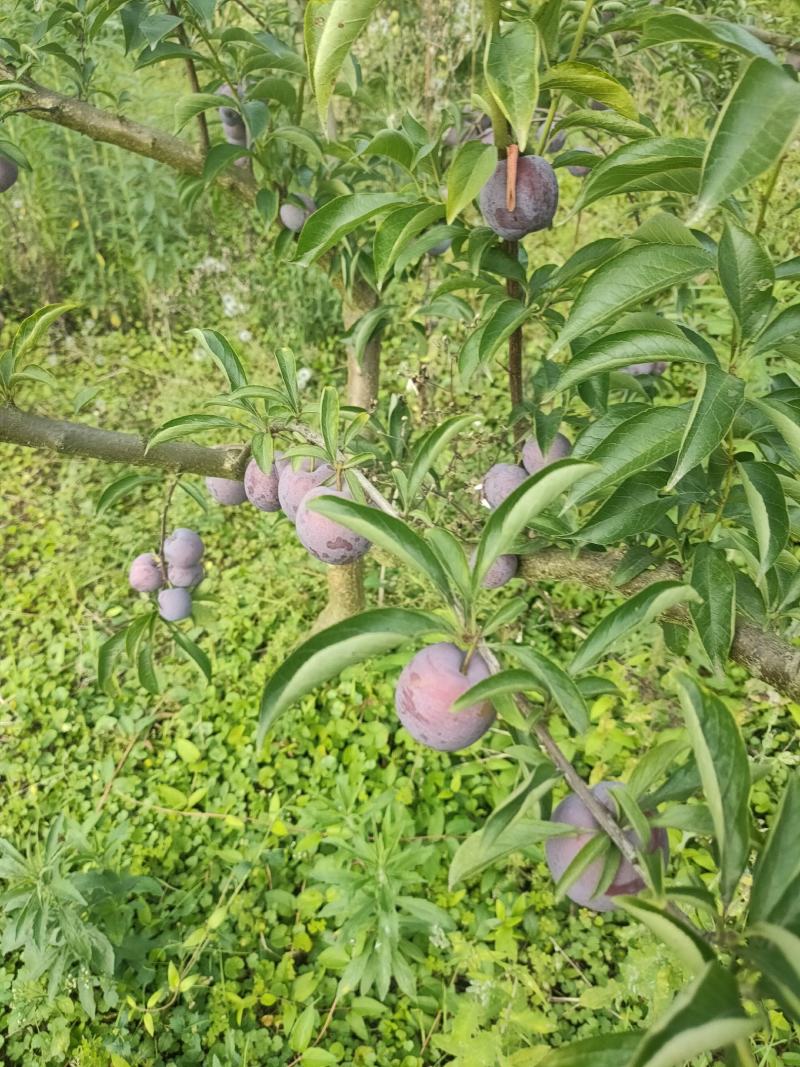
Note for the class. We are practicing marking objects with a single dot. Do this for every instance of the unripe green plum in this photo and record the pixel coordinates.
(328, 541)
(183, 547)
(294, 484)
(226, 491)
(534, 460)
(145, 575)
(186, 577)
(9, 172)
(536, 198)
(426, 690)
(560, 851)
(174, 604)
(262, 489)
(500, 481)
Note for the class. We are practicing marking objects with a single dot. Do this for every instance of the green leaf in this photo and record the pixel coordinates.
(476, 853)
(559, 686)
(725, 774)
(296, 135)
(287, 368)
(597, 847)
(705, 1016)
(223, 354)
(188, 107)
(645, 438)
(331, 28)
(397, 230)
(145, 668)
(586, 80)
(629, 278)
(185, 425)
(107, 655)
(193, 651)
(121, 487)
(776, 952)
(719, 398)
(632, 510)
(784, 327)
(154, 27)
(340, 216)
(604, 1050)
(608, 121)
(219, 158)
(387, 531)
(680, 26)
(654, 764)
(367, 327)
(784, 419)
(329, 419)
(752, 132)
(768, 510)
(31, 330)
(509, 681)
(508, 520)
(714, 618)
(473, 165)
(641, 609)
(747, 276)
(328, 652)
(620, 349)
(775, 897)
(503, 319)
(427, 451)
(670, 164)
(538, 783)
(688, 944)
(511, 68)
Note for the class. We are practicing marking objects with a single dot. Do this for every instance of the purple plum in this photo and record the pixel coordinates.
(536, 198)
(638, 370)
(294, 484)
(174, 604)
(9, 172)
(226, 491)
(262, 489)
(426, 690)
(500, 481)
(145, 575)
(183, 547)
(186, 577)
(533, 460)
(325, 539)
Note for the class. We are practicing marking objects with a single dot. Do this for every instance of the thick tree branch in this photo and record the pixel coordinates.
(101, 125)
(765, 655)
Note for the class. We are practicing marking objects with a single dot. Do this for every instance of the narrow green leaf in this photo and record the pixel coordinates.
(715, 617)
(472, 167)
(30, 330)
(596, 848)
(331, 28)
(681, 26)
(188, 107)
(340, 216)
(768, 510)
(538, 783)
(509, 681)
(747, 276)
(718, 399)
(776, 952)
(603, 1050)
(511, 68)
(193, 651)
(476, 853)
(586, 80)
(223, 354)
(722, 762)
(561, 688)
(686, 942)
(397, 230)
(427, 451)
(775, 897)
(785, 420)
(107, 655)
(121, 487)
(641, 609)
(654, 764)
(755, 126)
(705, 1016)
(329, 419)
(185, 425)
(146, 669)
(657, 164)
(628, 279)
(328, 652)
(784, 328)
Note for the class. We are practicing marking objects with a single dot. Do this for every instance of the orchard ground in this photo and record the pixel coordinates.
(173, 782)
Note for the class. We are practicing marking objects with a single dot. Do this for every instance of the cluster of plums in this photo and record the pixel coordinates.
(427, 688)
(174, 577)
(289, 489)
(9, 172)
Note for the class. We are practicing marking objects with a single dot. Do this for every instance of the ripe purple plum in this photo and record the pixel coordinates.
(294, 484)
(598, 105)
(501, 571)
(536, 198)
(638, 370)
(183, 547)
(426, 690)
(500, 481)
(186, 577)
(534, 460)
(145, 575)
(556, 142)
(226, 491)
(293, 216)
(174, 604)
(325, 539)
(9, 172)
(576, 169)
(262, 489)
(560, 851)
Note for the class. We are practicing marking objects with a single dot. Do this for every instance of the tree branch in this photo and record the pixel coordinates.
(101, 125)
(764, 654)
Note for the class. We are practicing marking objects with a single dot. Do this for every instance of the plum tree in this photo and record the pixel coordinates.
(426, 689)
(325, 539)
(500, 481)
(294, 484)
(145, 575)
(534, 460)
(560, 851)
(185, 577)
(262, 489)
(536, 198)
(174, 604)
(9, 172)
(183, 547)
(226, 491)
